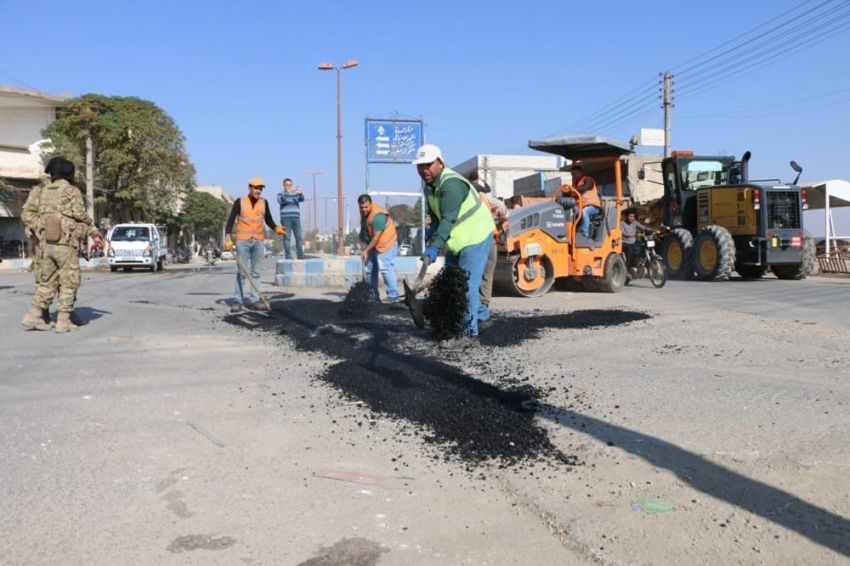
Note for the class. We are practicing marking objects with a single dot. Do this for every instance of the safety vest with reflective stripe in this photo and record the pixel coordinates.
(474, 223)
(591, 196)
(389, 236)
(251, 219)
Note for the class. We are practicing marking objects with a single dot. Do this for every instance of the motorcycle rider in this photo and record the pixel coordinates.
(629, 227)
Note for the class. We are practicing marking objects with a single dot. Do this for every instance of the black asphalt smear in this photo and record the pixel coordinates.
(398, 374)
(446, 302)
(359, 302)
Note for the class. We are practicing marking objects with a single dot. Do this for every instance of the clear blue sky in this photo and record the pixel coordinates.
(240, 77)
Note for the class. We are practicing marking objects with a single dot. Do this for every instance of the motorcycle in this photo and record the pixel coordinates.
(647, 262)
(210, 257)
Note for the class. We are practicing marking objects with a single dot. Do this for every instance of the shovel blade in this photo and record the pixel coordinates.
(413, 305)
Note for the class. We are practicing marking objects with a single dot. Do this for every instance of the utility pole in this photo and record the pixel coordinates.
(90, 185)
(668, 107)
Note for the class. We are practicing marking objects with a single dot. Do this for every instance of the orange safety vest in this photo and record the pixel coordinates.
(388, 236)
(590, 197)
(249, 223)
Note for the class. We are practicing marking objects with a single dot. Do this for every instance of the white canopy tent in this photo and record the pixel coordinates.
(828, 195)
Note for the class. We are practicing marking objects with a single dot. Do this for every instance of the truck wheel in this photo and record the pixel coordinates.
(677, 250)
(714, 254)
(614, 277)
(113, 268)
(804, 268)
(159, 264)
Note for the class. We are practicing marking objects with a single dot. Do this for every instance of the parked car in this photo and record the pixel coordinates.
(226, 254)
(406, 249)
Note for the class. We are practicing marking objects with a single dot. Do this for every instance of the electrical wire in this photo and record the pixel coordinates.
(822, 22)
(768, 52)
(680, 72)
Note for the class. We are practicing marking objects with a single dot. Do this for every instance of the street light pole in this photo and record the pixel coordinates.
(330, 67)
(315, 216)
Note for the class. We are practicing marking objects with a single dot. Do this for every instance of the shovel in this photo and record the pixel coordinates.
(410, 299)
(250, 279)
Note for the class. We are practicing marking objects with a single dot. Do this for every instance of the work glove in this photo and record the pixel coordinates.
(280, 230)
(429, 233)
(431, 252)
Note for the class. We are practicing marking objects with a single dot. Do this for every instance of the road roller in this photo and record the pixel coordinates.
(542, 245)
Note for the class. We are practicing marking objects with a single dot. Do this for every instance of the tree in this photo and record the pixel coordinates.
(401, 214)
(203, 215)
(140, 160)
(416, 214)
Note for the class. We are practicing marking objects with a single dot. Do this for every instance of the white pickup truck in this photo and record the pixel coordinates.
(136, 245)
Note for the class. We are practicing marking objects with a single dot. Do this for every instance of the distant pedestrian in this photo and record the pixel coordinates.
(335, 243)
(245, 223)
(378, 234)
(290, 217)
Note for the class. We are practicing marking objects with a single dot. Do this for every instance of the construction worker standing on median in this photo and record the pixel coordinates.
(290, 218)
(54, 214)
(460, 221)
(246, 224)
(378, 234)
(589, 205)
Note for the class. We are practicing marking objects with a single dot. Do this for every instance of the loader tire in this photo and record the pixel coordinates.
(714, 254)
(677, 250)
(802, 269)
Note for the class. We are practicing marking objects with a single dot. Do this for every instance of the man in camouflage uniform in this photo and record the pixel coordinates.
(55, 214)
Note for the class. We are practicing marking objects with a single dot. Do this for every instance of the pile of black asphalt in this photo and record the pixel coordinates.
(445, 303)
(399, 374)
(358, 302)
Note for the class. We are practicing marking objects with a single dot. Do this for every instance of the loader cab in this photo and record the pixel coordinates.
(684, 175)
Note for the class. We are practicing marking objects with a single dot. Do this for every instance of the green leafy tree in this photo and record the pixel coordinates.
(203, 215)
(140, 160)
(416, 214)
(401, 214)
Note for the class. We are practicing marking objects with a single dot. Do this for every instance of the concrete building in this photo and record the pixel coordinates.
(541, 175)
(501, 171)
(221, 194)
(24, 113)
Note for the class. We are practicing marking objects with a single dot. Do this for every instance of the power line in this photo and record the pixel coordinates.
(772, 54)
(605, 110)
(769, 51)
(703, 73)
(740, 45)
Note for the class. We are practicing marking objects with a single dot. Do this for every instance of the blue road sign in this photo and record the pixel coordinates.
(392, 141)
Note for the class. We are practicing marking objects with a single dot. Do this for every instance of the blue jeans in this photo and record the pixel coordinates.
(293, 228)
(473, 260)
(250, 253)
(586, 213)
(382, 263)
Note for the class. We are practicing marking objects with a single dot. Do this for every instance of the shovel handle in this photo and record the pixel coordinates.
(250, 279)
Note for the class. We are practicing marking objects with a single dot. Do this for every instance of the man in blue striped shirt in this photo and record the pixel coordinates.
(290, 218)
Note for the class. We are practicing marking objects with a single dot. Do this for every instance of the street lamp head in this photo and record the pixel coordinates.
(326, 67)
(349, 64)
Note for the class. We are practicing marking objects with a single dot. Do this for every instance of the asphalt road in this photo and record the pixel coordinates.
(168, 432)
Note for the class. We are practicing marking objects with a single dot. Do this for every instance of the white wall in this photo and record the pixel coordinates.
(21, 126)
